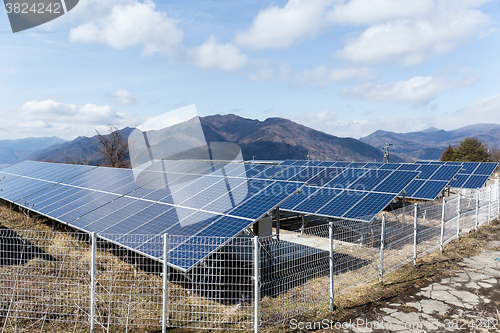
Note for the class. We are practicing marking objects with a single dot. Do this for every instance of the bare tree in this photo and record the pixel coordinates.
(112, 147)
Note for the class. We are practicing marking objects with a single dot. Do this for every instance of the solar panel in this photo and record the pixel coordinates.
(106, 200)
(430, 190)
(343, 202)
(368, 206)
(466, 176)
(346, 178)
(325, 176)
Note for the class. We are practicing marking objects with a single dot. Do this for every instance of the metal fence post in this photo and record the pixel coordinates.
(458, 213)
(443, 216)
(415, 235)
(164, 319)
(382, 245)
(332, 271)
(256, 277)
(477, 209)
(92, 281)
(489, 205)
(497, 182)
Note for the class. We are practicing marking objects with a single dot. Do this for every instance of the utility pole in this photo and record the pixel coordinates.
(386, 152)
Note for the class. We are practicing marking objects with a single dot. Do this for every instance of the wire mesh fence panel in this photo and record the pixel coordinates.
(357, 254)
(128, 288)
(399, 239)
(294, 273)
(43, 277)
(210, 289)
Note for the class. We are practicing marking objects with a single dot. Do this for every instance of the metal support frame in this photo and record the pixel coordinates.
(477, 209)
(92, 281)
(165, 275)
(332, 267)
(497, 183)
(256, 281)
(443, 217)
(415, 218)
(382, 246)
(459, 213)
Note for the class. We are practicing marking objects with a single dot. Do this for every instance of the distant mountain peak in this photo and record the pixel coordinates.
(431, 129)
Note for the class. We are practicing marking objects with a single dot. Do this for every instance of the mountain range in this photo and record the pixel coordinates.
(271, 139)
(430, 143)
(12, 151)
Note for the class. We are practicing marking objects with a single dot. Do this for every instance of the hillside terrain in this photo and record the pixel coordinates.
(12, 151)
(271, 139)
(430, 143)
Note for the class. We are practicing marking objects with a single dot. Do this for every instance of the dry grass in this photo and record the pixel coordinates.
(130, 298)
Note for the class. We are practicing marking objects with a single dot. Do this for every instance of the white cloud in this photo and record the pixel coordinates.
(52, 112)
(366, 12)
(417, 91)
(123, 97)
(131, 23)
(412, 41)
(278, 27)
(211, 55)
(407, 31)
(485, 110)
(322, 76)
(11, 70)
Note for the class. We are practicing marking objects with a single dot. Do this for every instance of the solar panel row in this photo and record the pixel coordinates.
(432, 179)
(198, 200)
(472, 175)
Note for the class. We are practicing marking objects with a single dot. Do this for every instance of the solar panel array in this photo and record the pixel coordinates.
(431, 180)
(199, 201)
(342, 189)
(472, 174)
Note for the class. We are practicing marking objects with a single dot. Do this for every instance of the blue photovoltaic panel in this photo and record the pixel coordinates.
(390, 166)
(306, 174)
(287, 162)
(357, 165)
(325, 176)
(373, 165)
(414, 186)
(408, 167)
(270, 172)
(313, 163)
(485, 169)
(445, 172)
(469, 167)
(459, 181)
(426, 171)
(475, 181)
(430, 190)
(370, 179)
(342, 203)
(346, 178)
(254, 171)
(342, 164)
(369, 206)
(288, 173)
(299, 163)
(326, 164)
(265, 200)
(396, 182)
(316, 201)
(297, 198)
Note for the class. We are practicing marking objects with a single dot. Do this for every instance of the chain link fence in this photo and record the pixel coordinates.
(88, 282)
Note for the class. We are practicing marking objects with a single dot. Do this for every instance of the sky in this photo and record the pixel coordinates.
(347, 68)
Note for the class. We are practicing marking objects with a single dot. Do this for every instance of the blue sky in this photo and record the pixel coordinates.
(347, 68)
